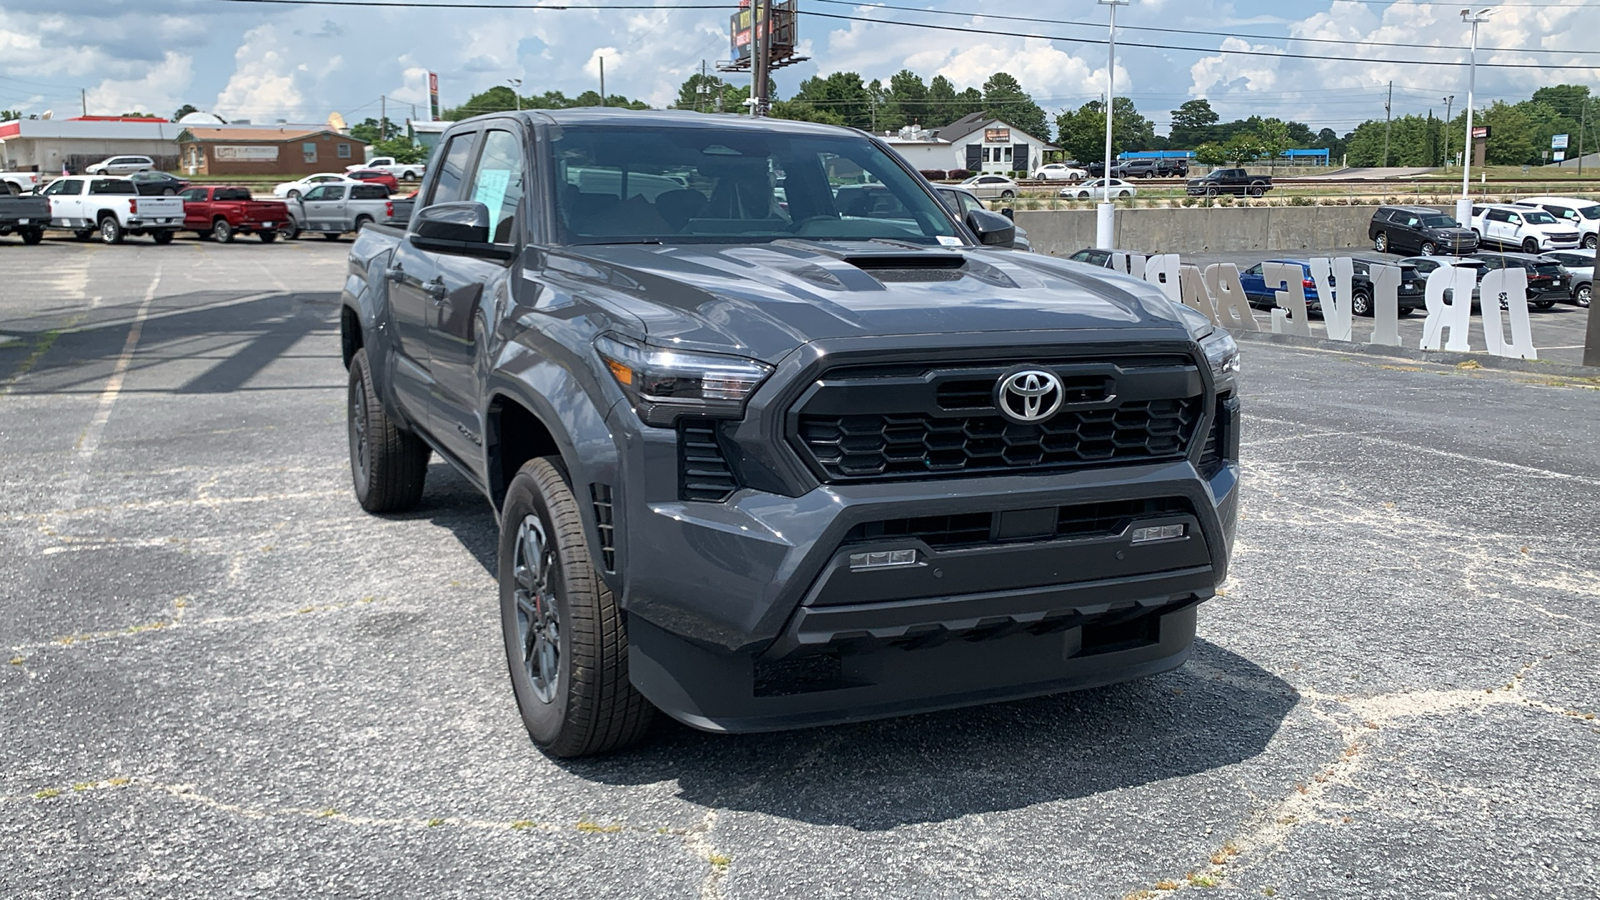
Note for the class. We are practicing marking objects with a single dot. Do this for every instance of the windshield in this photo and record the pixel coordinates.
(1536, 217)
(1590, 212)
(727, 185)
(1439, 222)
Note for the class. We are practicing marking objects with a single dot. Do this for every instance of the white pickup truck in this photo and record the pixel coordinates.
(401, 171)
(111, 206)
(18, 182)
(1522, 228)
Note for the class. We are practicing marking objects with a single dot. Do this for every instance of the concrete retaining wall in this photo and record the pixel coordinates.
(1218, 229)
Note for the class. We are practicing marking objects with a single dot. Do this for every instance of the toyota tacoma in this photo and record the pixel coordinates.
(759, 463)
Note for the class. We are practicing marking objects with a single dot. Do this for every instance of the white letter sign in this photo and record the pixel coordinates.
(1508, 286)
(1290, 317)
(1227, 296)
(1334, 292)
(1455, 315)
(1385, 305)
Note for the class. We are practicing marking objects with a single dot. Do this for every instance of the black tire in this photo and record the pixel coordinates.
(1589, 241)
(294, 195)
(1211, 190)
(31, 236)
(291, 230)
(1530, 246)
(163, 237)
(330, 236)
(1361, 303)
(1007, 195)
(1543, 304)
(388, 465)
(83, 236)
(1257, 190)
(110, 230)
(221, 231)
(12, 188)
(167, 192)
(268, 237)
(1380, 242)
(409, 176)
(1428, 248)
(559, 613)
(1405, 311)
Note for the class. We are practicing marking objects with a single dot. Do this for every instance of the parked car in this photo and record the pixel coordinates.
(121, 165)
(1097, 188)
(112, 207)
(376, 176)
(1148, 167)
(991, 187)
(1584, 214)
(1228, 181)
(1059, 172)
(25, 217)
(1418, 229)
(761, 472)
(219, 213)
(342, 207)
(1426, 264)
(157, 184)
(18, 182)
(1095, 256)
(1548, 282)
(402, 171)
(1580, 272)
(1411, 294)
(1521, 228)
(294, 190)
(962, 201)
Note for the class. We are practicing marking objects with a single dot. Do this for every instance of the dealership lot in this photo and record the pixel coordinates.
(223, 678)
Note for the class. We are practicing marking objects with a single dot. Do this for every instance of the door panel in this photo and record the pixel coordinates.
(410, 273)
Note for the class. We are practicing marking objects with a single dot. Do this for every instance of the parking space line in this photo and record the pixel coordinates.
(89, 442)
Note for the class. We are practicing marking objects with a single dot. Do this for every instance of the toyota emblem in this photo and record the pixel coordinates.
(1029, 395)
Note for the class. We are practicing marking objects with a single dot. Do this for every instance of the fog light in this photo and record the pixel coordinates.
(1157, 533)
(882, 559)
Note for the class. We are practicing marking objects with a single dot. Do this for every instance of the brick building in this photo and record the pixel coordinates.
(256, 150)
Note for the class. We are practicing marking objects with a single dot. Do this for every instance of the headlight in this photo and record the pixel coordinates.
(1222, 352)
(664, 384)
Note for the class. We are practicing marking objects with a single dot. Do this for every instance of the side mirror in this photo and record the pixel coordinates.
(991, 228)
(460, 228)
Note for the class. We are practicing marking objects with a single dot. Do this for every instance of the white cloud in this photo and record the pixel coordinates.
(160, 90)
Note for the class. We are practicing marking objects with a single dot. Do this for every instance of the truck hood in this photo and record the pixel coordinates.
(766, 300)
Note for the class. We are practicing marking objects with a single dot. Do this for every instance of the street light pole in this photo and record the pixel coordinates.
(1104, 223)
(1447, 103)
(516, 90)
(1464, 205)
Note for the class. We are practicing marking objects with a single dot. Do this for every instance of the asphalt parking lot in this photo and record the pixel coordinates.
(224, 679)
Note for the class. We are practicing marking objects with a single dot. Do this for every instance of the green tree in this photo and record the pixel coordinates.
(803, 111)
(908, 98)
(1004, 99)
(1274, 136)
(139, 115)
(1244, 149)
(400, 148)
(1511, 138)
(1192, 123)
(1081, 133)
(700, 92)
(9, 115)
(841, 93)
(368, 130)
(496, 99)
(1210, 154)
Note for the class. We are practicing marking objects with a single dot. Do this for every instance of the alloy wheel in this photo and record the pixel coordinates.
(538, 621)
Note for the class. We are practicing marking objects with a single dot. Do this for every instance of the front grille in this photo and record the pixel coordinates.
(973, 529)
(605, 524)
(703, 471)
(858, 447)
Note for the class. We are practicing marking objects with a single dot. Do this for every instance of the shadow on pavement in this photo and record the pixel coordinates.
(941, 766)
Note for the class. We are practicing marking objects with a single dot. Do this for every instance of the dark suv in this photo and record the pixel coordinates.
(1548, 282)
(1418, 229)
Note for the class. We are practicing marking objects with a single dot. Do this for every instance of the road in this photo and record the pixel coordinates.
(224, 679)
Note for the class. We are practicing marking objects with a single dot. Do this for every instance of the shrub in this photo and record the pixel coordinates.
(935, 174)
(958, 174)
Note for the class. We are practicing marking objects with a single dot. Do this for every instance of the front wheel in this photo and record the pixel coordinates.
(1589, 241)
(1361, 303)
(1530, 246)
(1582, 295)
(566, 641)
(1428, 248)
(387, 465)
(1381, 243)
(295, 196)
(222, 232)
(110, 230)
(1211, 190)
(291, 230)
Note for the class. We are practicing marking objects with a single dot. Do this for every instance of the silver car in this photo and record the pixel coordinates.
(1581, 265)
(121, 165)
(991, 187)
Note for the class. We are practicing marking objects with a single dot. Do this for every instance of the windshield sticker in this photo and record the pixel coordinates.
(948, 241)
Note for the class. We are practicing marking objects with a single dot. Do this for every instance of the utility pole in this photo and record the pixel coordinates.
(702, 88)
(1104, 221)
(1583, 122)
(383, 118)
(602, 81)
(1447, 101)
(83, 95)
(1386, 108)
(759, 69)
(1464, 203)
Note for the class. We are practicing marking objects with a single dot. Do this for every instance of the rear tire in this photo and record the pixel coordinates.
(221, 231)
(1361, 303)
(1544, 304)
(1257, 190)
(330, 236)
(1007, 195)
(110, 230)
(31, 236)
(268, 237)
(163, 237)
(566, 641)
(388, 466)
(1583, 295)
(83, 236)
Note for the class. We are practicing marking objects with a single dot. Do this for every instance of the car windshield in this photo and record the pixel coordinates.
(1438, 222)
(1590, 212)
(1538, 217)
(722, 185)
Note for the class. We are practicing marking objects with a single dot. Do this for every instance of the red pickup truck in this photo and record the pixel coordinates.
(222, 212)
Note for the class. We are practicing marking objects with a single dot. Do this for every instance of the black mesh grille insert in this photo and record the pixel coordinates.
(605, 524)
(1216, 439)
(912, 445)
(703, 472)
(972, 529)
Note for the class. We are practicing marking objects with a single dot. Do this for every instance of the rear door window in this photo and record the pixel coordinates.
(452, 171)
(369, 192)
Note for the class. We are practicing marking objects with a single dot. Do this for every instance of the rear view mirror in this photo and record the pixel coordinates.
(992, 228)
(459, 227)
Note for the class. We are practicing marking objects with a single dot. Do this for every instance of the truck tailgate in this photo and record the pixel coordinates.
(159, 208)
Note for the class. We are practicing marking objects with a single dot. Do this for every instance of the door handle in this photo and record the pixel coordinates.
(394, 273)
(435, 290)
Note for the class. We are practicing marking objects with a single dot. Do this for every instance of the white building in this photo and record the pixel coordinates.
(977, 143)
(48, 145)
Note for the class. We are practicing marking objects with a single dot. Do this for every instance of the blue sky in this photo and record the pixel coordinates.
(266, 62)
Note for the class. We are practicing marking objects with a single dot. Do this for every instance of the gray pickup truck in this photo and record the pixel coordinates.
(26, 217)
(340, 208)
(760, 462)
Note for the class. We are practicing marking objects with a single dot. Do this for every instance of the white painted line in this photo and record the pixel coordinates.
(90, 441)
